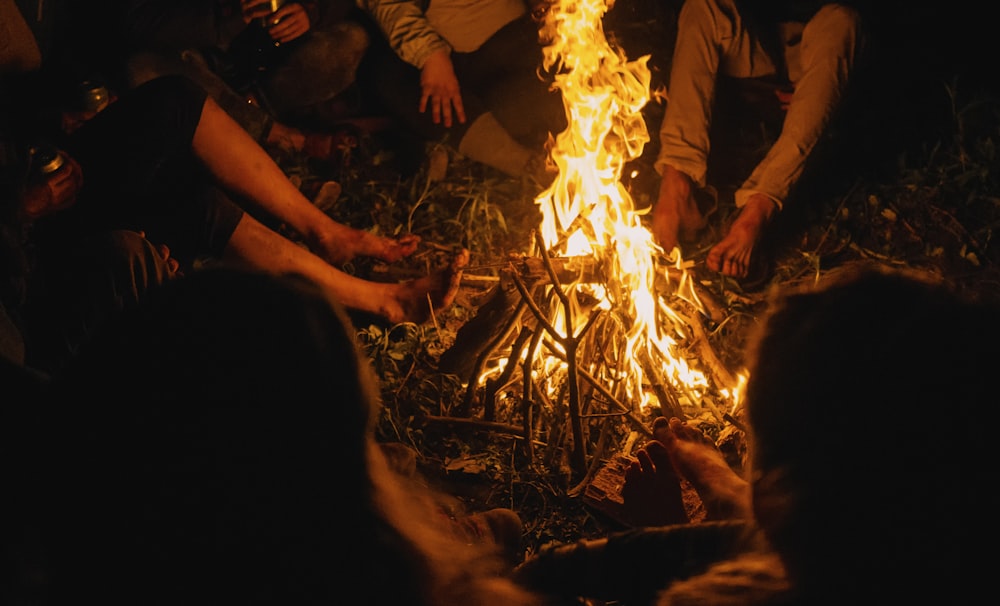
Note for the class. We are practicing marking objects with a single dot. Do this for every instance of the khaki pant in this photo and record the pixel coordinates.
(713, 40)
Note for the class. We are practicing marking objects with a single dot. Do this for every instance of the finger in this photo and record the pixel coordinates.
(645, 462)
(446, 113)
(658, 454)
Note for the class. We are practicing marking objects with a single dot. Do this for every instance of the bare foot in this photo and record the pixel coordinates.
(391, 250)
(725, 494)
(323, 146)
(343, 243)
(733, 254)
(413, 301)
(676, 216)
(652, 491)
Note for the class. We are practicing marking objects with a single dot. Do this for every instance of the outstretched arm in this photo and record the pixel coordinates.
(244, 168)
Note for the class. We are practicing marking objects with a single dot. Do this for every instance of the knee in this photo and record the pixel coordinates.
(346, 39)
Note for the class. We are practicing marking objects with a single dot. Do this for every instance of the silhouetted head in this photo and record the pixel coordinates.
(872, 413)
(209, 442)
(216, 446)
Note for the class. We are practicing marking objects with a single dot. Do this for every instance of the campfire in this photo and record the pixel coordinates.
(597, 328)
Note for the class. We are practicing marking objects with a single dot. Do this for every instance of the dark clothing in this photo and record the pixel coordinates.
(501, 77)
(140, 174)
(208, 42)
(75, 292)
(632, 566)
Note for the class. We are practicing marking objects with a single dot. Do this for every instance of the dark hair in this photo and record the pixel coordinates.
(206, 445)
(216, 445)
(868, 398)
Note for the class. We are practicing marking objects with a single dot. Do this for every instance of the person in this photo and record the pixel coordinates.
(279, 81)
(189, 174)
(469, 73)
(853, 492)
(51, 303)
(219, 464)
(809, 50)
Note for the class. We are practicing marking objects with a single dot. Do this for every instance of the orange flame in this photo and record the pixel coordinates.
(588, 211)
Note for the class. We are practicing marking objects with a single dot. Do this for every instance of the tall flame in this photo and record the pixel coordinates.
(587, 210)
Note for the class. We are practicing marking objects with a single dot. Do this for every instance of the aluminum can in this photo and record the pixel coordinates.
(93, 96)
(45, 159)
(274, 5)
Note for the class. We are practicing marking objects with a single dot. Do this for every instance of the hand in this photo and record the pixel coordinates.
(288, 23)
(440, 89)
(254, 9)
(170, 264)
(284, 25)
(56, 192)
(74, 119)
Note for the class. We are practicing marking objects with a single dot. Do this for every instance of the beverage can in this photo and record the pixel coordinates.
(274, 5)
(93, 96)
(46, 159)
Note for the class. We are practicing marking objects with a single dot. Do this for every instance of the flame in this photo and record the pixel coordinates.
(588, 211)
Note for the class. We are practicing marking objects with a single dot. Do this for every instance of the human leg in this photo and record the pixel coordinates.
(256, 246)
(317, 67)
(246, 169)
(191, 63)
(259, 123)
(505, 71)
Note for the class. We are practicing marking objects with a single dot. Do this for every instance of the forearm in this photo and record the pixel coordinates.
(406, 28)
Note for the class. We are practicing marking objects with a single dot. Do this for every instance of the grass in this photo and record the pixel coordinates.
(908, 192)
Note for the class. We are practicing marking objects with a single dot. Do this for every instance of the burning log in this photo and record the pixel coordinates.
(596, 339)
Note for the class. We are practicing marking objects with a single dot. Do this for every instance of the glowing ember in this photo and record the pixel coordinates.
(587, 211)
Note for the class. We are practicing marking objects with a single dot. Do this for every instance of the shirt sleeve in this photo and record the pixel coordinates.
(406, 28)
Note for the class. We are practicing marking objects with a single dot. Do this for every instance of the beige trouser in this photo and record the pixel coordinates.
(712, 39)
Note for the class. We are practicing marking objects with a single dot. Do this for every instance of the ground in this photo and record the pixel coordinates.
(908, 178)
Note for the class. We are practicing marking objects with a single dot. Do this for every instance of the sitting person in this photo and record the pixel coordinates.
(808, 46)
(227, 455)
(277, 81)
(195, 181)
(892, 516)
(468, 72)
